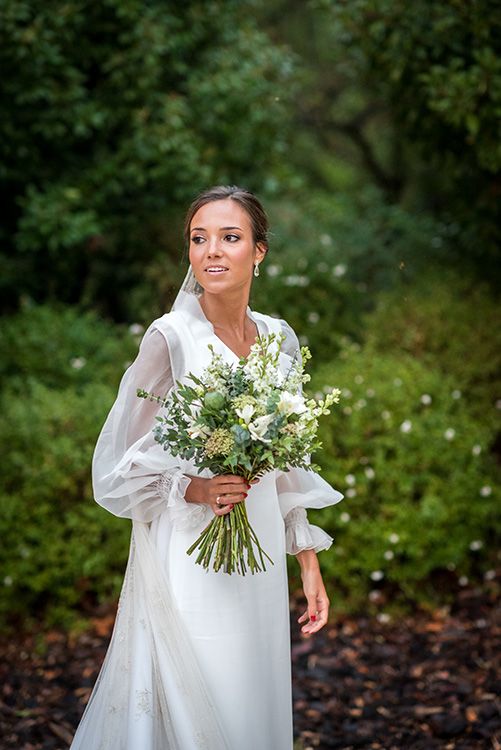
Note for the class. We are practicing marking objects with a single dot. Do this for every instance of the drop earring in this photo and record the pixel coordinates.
(256, 269)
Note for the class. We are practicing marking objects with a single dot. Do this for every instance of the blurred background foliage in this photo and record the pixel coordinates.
(371, 130)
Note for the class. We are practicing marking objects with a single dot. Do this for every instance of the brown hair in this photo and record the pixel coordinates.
(246, 199)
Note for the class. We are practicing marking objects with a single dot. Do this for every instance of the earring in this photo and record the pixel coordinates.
(256, 269)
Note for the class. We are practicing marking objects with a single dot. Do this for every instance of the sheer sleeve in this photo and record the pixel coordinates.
(299, 489)
(133, 476)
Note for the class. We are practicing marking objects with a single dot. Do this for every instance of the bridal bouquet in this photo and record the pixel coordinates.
(245, 420)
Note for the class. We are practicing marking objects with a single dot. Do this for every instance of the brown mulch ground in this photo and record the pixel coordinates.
(424, 682)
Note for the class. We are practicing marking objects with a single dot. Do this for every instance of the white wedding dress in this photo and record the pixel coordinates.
(197, 660)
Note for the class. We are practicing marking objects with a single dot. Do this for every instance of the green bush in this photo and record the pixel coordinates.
(412, 452)
(59, 548)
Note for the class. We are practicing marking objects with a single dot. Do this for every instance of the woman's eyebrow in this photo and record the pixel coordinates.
(202, 229)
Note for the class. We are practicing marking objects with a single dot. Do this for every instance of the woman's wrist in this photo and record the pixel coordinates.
(308, 560)
(194, 492)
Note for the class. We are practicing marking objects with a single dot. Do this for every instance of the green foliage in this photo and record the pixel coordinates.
(113, 114)
(59, 548)
(412, 448)
(331, 254)
(438, 70)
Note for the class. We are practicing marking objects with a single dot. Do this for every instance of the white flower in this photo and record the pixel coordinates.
(345, 517)
(322, 267)
(360, 403)
(449, 433)
(245, 413)
(485, 491)
(377, 575)
(272, 269)
(258, 428)
(383, 617)
(347, 409)
(369, 472)
(78, 362)
(346, 392)
(374, 595)
(386, 414)
(451, 566)
(463, 580)
(426, 398)
(456, 393)
(489, 575)
(397, 381)
(389, 554)
(292, 403)
(136, 329)
(7, 581)
(370, 392)
(406, 426)
(339, 270)
(351, 492)
(498, 403)
(394, 538)
(313, 317)
(358, 379)
(476, 544)
(476, 450)
(326, 240)
(350, 479)
(198, 431)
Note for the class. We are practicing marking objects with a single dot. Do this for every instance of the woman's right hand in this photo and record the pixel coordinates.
(229, 488)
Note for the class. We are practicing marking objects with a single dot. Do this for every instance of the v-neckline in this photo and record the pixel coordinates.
(249, 313)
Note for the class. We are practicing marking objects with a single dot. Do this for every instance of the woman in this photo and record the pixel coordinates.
(200, 659)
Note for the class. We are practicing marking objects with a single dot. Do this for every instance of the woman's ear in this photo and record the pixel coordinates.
(261, 250)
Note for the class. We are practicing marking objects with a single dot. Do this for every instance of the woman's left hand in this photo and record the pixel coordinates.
(317, 613)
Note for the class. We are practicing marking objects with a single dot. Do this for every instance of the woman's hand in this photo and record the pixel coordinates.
(229, 488)
(317, 612)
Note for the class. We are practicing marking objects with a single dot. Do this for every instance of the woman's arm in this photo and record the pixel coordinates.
(317, 612)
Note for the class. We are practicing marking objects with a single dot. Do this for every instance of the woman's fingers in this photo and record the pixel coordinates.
(316, 616)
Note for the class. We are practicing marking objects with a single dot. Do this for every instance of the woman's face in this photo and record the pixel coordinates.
(221, 235)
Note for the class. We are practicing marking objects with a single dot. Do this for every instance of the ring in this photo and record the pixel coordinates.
(219, 505)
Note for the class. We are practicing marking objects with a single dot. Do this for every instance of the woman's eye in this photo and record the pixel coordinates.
(232, 237)
(197, 239)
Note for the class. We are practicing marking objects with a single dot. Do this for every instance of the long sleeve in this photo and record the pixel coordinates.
(133, 476)
(299, 489)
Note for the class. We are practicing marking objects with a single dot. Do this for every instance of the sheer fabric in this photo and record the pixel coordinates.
(197, 659)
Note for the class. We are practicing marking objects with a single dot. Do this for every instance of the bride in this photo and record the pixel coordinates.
(199, 659)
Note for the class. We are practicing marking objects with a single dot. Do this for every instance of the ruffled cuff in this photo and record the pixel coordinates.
(171, 486)
(300, 534)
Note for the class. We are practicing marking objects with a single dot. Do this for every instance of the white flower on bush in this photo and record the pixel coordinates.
(383, 617)
(476, 450)
(272, 269)
(258, 428)
(463, 580)
(476, 544)
(489, 575)
(449, 433)
(350, 479)
(78, 362)
(394, 538)
(369, 472)
(358, 379)
(386, 414)
(456, 393)
(313, 317)
(136, 329)
(345, 517)
(377, 575)
(351, 492)
(339, 270)
(397, 381)
(426, 399)
(406, 426)
(389, 554)
(485, 491)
